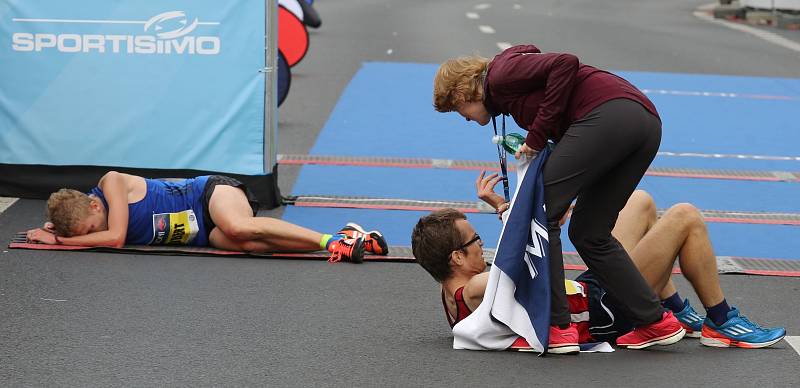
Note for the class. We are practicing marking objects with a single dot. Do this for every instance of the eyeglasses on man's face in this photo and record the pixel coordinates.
(476, 238)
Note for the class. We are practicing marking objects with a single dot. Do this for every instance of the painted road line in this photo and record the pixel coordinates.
(795, 342)
(486, 29)
(694, 93)
(339, 201)
(729, 156)
(704, 13)
(473, 15)
(355, 161)
(503, 45)
(6, 202)
(378, 203)
(482, 6)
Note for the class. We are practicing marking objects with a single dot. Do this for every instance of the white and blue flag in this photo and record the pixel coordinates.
(517, 298)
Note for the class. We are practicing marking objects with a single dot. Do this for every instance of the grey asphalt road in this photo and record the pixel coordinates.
(91, 319)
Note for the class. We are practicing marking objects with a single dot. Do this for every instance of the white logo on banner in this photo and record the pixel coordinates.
(536, 247)
(167, 33)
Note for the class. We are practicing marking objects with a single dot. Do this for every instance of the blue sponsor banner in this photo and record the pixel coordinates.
(146, 84)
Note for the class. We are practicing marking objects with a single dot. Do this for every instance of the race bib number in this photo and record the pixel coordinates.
(174, 228)
(574, 288)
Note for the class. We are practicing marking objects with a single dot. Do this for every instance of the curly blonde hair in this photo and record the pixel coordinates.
(457, 81)
(66, 208)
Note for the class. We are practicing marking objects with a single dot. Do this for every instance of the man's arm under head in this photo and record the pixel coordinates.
(115, 189)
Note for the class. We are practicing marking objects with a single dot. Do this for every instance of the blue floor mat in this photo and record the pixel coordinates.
(387, 107)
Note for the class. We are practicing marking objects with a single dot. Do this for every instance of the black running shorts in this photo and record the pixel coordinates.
(606, 321)
(214, 181)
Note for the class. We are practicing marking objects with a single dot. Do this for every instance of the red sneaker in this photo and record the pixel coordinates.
(520, 345)
(667, 331)
(373, 240)
(347, 249)
(563, 341)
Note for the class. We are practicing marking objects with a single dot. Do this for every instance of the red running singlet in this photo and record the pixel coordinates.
(462, 310)
(576, 297)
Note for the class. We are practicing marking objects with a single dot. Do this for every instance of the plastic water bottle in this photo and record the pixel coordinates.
(511, 142)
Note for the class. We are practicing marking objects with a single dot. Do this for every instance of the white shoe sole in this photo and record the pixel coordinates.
(360, 229)
(521, 350)
(663, 342)
(567, 349)
(715, 343)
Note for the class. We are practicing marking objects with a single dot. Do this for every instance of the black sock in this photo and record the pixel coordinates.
(674, 303)
(719, 313)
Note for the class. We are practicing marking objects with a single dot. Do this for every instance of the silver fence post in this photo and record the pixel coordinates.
(270, 85)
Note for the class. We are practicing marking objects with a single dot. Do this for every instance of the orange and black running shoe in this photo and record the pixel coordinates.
(373, 240)
(347, 249)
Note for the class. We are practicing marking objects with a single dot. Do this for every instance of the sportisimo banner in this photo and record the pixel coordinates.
(147, 84)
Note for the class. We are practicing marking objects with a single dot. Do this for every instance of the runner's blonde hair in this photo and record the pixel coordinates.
(66, 208)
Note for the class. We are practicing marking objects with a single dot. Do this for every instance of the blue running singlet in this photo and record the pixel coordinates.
(171, 213)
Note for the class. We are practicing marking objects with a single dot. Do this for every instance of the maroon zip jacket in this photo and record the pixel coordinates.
(546, 92)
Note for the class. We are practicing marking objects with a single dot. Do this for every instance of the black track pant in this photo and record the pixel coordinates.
(600, 160)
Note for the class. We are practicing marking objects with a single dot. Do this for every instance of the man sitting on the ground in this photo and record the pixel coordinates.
(214, 210)
(446, 245)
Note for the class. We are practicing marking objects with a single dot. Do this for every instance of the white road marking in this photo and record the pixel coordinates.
(695, 93)
(482, 6)
(6, 202)
(794, 341)
(486, 29)
(389, 52)
(53, 300)
(517, 6)
(732, 156)
(473, 15)
(703, 12)
(503, 45)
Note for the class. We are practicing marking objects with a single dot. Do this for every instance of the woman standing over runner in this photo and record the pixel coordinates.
(606, 134)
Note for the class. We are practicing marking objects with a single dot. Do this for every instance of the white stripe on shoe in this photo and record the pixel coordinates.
(746, 330)
(668, 340)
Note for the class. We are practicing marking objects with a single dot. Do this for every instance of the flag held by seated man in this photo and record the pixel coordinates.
(517, 299)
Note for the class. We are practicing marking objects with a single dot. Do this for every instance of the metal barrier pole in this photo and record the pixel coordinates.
(270, 86)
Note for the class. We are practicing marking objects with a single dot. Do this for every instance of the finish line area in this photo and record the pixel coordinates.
(418, 160)
(313, 312)
(359, 141)
(420, 157)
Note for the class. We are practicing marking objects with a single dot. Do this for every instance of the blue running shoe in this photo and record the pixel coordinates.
(738, 331)
(690, 320)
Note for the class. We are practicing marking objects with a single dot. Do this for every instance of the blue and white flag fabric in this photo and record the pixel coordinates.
(517, 298)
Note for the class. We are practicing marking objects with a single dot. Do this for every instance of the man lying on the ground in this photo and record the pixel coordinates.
(446, 245)
(214, 210)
